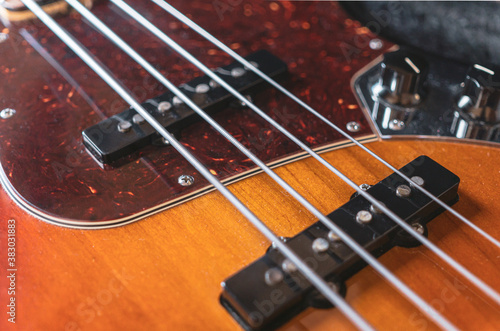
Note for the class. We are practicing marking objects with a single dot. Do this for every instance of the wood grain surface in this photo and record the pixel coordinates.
(164, 272)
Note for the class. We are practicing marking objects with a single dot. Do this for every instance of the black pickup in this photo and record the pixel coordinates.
(267, 293)
(127, 132)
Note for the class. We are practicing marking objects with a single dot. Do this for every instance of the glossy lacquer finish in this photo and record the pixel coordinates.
(56, 96)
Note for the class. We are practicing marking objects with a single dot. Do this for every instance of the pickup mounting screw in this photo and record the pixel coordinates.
(124, 126)
(320, 245)
(363, 217)
(7, 113)
(273, 276)
(288, 266)
(403, 191)
(164, 107)
(418, 180)
(333, 286)
(186, 180)
(418, 227)
(353, 126)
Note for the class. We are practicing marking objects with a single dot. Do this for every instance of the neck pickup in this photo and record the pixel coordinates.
(126, 133)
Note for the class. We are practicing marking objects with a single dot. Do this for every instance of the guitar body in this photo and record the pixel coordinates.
(164, 272)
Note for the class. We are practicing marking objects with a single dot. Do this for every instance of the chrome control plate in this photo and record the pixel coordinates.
(437, 114)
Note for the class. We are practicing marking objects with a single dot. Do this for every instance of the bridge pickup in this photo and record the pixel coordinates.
(127, 132)
(268, 292)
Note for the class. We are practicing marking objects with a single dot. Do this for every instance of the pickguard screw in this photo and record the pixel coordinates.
(186, 180)
(165, 141)
(273, 276)
(7, 113)
(320, 245)
(403, 191)
(418, 227)
(353, 126)
(396, 125)
(376, 44)
(418, 180)
(3, 37)
(363, 217)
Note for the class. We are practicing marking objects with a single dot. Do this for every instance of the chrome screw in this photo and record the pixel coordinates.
(418, 227)
(374, 209)
(185, 180)
(403, 191)
(396, 125)
(288, 266)
(7, 113)
(418, 180)
(320, 245)
(124, 126)
(273, 276)
(202, 88)
(376, 44)
(213, 84)
(333, 286)
(364, 187)
(353, 126)
(333, 237)
(238, 72)
(138, 119)
(363, 217)
(177, 101)
(164, 106)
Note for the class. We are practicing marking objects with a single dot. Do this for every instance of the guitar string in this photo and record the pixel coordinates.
(184, 19)
(488, 290)
(411, 295)
(322, 286)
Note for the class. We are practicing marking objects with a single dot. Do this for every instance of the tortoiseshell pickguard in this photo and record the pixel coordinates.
(56, 96)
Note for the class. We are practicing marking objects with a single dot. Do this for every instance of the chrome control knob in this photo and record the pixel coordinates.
(401, 78)
(478, 105)
(399, 89)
